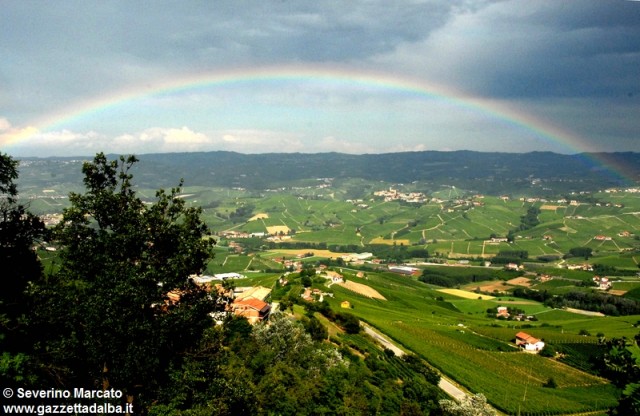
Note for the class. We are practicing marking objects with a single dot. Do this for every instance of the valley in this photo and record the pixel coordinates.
(461, 256)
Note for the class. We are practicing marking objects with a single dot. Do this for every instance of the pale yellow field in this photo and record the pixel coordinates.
(259, 217)
(550, 207)
(362, 289)
(465, 294)
(380, 240)
(490, 286)
(277, 229)
(520, 281)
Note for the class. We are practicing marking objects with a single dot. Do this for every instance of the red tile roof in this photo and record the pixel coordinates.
(253, 303)
(527, 338)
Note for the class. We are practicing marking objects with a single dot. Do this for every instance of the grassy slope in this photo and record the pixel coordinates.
(481, 356)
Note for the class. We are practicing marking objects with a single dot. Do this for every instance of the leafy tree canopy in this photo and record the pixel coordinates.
(19, 231)
(122, 305)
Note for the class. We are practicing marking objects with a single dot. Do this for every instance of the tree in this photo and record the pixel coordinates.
(349, 322)
(618, 364)
(19, 230)
(122, 304)
(630, 402)
(315, 328)
(306, 281)
(585, 252)
(475, 405)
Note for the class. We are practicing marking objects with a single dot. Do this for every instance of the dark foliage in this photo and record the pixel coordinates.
(19, 232)
(585, 252)
(107, 317)
(590, 301)
(454, 277)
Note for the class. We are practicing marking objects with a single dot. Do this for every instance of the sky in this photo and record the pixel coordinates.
(375, 76)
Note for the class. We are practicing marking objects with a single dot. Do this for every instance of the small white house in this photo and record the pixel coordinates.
(529, 343)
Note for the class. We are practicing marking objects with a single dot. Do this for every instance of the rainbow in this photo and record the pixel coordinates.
(565, 141)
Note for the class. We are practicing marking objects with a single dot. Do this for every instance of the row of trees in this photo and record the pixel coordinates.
(591, 301)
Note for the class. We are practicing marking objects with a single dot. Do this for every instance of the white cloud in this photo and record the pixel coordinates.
(4, 124)
(29, 141)
(333, 144)
(10, 135)
(160, 140)
(261, 141)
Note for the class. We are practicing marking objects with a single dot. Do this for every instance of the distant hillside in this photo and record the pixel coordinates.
(491, 173)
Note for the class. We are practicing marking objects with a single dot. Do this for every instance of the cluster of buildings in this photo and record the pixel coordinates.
(503, 313)
(51, 220)
(231, 234)
(585, 267)
(395, 195)
(252, 303)
(628, 190)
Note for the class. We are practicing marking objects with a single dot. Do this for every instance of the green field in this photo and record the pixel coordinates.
(455, 336)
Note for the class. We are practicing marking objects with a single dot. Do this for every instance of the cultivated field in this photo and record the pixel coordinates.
(450, 328)
(478, 352)
(361, 289)
(465, 294)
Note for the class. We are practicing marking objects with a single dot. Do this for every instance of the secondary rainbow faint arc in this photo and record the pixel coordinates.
(381, 81)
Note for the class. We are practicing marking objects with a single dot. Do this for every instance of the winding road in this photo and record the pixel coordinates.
(445, 384)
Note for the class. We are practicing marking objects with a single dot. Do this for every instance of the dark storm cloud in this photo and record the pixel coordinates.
(511, 49)
(298, 31)
(544, 49)
(56, 52)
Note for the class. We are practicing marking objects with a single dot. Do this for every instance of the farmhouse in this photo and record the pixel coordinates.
(529, 343)
(334, 276)
(253, 309)
(544, 277)
(503, 311)
(494, 240)
(512, 266)
(306, 295)
(602, 282)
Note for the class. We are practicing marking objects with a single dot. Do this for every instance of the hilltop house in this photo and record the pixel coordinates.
(529, 343)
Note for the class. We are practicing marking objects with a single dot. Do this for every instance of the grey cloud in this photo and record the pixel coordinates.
(541, 49)
(75, 48)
